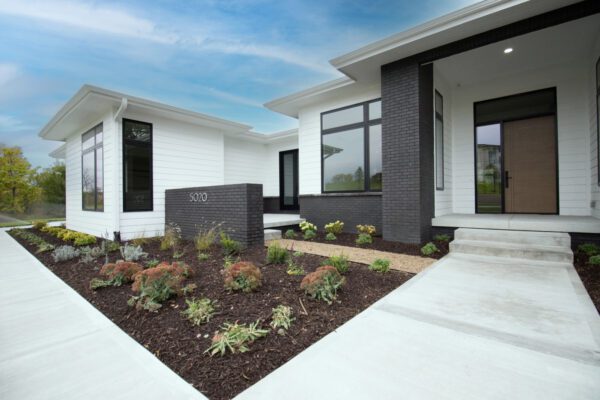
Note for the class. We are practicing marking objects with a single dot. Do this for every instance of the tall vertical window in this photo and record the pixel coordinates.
(92, 164)
(598, 116)
(351, 148)
(137, 166)
(439, 141)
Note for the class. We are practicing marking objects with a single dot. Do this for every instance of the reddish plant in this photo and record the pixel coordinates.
(323, 283)
(126, 269)
(176, 271)
(243, 276)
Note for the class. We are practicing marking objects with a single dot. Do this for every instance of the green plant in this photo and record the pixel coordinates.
(132, 253)
(380, 265)
(229, 260)
(203, 256)
(322, 284)
(307, 226)
(290, 234)
(38, 224)
(83, 239)
(429, 249)
(33, 239)
(330, 236)
(364, 239)
(309, 234)
(276, 254)
(171, 238)
(368, 229)
(293, 268)
(178, 254)
(189, 289)
(205, 238)
(152, 294)
(339, 262)
(111, 246)
(297, 254)
(235, 338)
(65, 253)
(441, 238)
(152, 263)
(594, 260)
(89, 254)
(229, 246)
(336, 227)
(243, 276)
(589, 249)
(116, 274)
(199, 311)
(281, 317)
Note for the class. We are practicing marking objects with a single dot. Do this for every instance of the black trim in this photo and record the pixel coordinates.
(93, 149)
(439, 157)
(282, 204)
(365, 125)
(598, 118)
(141, 144)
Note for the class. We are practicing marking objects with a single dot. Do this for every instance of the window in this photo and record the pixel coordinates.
(92, 164)
(439, 141)
(351, 148)
(598, 116)
(137, 166)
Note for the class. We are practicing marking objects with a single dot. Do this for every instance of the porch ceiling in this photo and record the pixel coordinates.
(559, 44)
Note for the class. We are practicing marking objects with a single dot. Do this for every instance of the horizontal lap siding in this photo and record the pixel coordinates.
(443, 198)
(593, 120)
(271, 172)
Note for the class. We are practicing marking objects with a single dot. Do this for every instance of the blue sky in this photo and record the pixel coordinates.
(220, 57)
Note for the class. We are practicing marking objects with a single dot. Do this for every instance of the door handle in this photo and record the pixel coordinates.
(507, 177)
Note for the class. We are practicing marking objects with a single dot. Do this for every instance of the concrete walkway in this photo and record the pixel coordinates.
(55, 345)
(469, 327)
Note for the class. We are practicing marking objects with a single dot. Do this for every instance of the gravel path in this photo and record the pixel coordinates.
(400, 262)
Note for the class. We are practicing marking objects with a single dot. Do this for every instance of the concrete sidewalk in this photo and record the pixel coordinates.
(469, 327)
(55, 345)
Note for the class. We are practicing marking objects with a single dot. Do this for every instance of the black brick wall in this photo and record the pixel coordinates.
(271, 205)
(351, 209)
(408, 170)
(239, 208)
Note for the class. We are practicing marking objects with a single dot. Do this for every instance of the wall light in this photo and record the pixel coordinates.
(508, 50)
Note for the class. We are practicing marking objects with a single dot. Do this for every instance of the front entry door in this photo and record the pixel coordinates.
(288, 180)
(530, 182)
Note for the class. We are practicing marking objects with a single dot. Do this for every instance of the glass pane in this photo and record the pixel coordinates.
(343, 161)
(343, 117)
(87, 181)
(138, 177)
(288, 179)
(515, 107)
(489, 178)
(375, 110)
(99, 179)
(99, 134)
(439, 103)
(375, 168)
(137, 131)
(439, 154)
(87, 140)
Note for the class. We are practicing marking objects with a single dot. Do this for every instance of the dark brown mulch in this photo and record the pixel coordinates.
(349, 239)
(590, 276)
(181, 345)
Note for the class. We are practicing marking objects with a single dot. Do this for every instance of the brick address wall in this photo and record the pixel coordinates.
(239, 208)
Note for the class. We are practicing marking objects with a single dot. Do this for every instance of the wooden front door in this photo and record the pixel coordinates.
(530, 181)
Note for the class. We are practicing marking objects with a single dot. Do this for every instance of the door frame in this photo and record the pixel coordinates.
(296, 205)
(501, 123)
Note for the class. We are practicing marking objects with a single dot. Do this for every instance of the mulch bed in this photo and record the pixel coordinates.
(349, 239)
(590, 276)
(181, 346)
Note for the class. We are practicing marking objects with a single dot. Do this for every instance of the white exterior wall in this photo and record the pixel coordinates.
(443, 198)
(97, 223)
(573, 133)
(309, 136)
(593, 120)
(271, 172)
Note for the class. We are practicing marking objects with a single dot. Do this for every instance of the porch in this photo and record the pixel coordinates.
(279, 220)
(520, 222)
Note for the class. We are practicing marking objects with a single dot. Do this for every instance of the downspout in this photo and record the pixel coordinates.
(118, 157)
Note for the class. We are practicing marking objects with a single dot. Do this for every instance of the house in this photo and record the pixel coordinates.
(486, 117)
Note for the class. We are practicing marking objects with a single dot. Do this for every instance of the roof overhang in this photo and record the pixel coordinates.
(60, 153)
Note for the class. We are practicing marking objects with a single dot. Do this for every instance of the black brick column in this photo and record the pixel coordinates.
(408, 165)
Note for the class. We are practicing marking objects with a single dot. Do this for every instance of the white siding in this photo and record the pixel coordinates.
(443, 198)
(595, 189)
(244, 161)
(573, 133)
(271, 172)
(184, 155)
(309, 135)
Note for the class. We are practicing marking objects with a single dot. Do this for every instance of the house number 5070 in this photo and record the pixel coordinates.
(197, 197)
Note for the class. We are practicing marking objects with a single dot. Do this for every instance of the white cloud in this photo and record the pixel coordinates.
(10, 123)
(8, 72)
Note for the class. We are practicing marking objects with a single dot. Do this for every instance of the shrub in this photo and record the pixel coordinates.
(116, 274)
(589, 249)
(67, 235)
(83, 239)
(178, 254)
(132, 253)
(276, 254)
(364, 239)
(65, 253)
(229, 246)
(89, 254)
(203, 256)
(140, 240)
(39, 225)
(205, 238)
(171, 238)
(199, 311)
(368, 229)
(330, 236)
(297, 254)
(594, 260)
(243, 276)
(380, 265)
(111, 246)
(281, 317)
(309, 234)
(158, 284)
(33, 239)
(441, 238)
(228, 261)
(235, 338)
(339, 262)
(322, 284)
(290, 234)
(307, 226)
(177, 271)
(336, 227)
(429, 249)
(152, 263)
(293, 268)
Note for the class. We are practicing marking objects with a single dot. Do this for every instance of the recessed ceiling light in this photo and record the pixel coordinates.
(508, 50)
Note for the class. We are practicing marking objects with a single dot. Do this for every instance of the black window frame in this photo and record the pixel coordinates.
(598, 119)
(365, 125)
(439, 158)
(93, 149)
(149, 144)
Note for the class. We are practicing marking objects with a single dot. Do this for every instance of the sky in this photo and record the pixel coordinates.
(220, 57)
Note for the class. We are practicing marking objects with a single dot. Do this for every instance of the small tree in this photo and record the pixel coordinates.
(52, 183)
(17, 190)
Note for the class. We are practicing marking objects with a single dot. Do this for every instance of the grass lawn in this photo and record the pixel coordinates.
(29, 221)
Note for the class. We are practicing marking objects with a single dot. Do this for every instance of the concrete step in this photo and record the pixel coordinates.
(272, 234)
(512, 250)
(520, 237)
